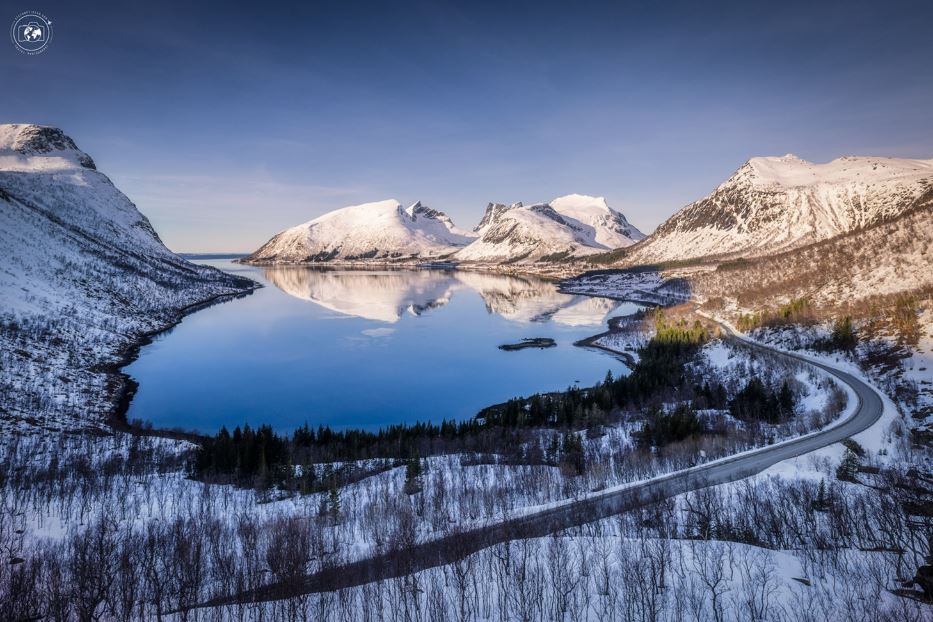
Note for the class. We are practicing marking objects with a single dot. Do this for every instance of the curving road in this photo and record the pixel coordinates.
(453, 547)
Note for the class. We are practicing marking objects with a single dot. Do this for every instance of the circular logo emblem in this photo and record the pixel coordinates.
(31, 32)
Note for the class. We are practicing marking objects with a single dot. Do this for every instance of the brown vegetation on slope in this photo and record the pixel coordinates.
(879, 270)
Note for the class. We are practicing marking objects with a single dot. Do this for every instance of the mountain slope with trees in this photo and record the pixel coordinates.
(84, 280)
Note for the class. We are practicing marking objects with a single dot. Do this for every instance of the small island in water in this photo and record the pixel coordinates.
(531, 342)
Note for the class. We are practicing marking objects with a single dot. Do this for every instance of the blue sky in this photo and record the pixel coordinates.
(226, 123)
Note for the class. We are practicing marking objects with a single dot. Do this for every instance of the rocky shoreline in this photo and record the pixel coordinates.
(124, 387)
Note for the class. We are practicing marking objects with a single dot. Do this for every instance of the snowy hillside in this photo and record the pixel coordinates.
(774, 204)
(382, 231)
(83, 277)
(571, 226)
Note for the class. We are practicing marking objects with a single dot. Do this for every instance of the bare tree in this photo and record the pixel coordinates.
(92, 562)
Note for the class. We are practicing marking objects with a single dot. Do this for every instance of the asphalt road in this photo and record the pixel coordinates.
(453, 547)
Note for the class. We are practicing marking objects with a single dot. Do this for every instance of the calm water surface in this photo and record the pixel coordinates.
(366, 348)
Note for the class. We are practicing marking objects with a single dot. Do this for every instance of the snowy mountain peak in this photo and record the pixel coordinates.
(420, 210)
(581, 202)
(526, 234)
(610, 228)
(492, 214)
(32, 160)
(570, 226)
(792, 172)
(22, 143)
(379, 231)
(775, 203)
(417, 209)
(383, 231)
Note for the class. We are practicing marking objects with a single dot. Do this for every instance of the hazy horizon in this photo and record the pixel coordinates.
(226, 125)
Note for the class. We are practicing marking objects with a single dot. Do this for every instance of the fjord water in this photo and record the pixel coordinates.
(349, 348)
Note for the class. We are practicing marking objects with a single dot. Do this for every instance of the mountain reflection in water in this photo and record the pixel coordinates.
(373, 347)
(387, 295)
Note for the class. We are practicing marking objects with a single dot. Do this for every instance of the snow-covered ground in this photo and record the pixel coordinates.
(717, 553)
(648, 286)
(918, 372)
(727, 552)
(605, 575)
(903, 409)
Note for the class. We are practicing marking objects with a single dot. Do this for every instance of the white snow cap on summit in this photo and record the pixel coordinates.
(381, 230)
(58, 211)
(570, 226)
(29, 147)
(790, 171)
(610, 228)
(772, 204)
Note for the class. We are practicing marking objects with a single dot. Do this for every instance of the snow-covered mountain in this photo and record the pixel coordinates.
(492, 214)
(610, 228)
(425, 216)
(380, 231)
(571, 226)
(83, 277)
(773, 204)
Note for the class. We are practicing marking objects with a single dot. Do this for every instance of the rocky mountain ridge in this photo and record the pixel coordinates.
(773, 204)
